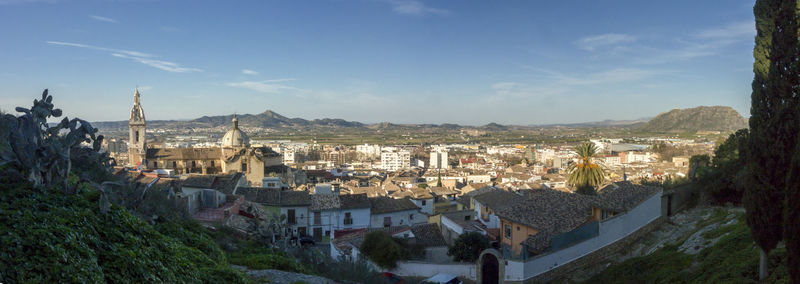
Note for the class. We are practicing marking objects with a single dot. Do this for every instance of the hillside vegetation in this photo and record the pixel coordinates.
(717, 248)
(702, 118)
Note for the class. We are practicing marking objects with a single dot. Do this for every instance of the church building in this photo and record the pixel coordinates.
(234, 155)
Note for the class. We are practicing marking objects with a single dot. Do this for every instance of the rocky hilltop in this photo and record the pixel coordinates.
(702, 118)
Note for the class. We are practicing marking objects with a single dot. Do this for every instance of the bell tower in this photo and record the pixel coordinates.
(137, 145)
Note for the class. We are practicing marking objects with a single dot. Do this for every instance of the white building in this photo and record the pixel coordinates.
(289, 157)
(393, 159)
(439, 160)
(369, 150)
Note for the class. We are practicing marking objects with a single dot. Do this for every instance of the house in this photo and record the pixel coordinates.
(292, 204)
(456, 223)
(485, 205)
(387, 212)
(208, 191)
(548, 220)
(331, 212)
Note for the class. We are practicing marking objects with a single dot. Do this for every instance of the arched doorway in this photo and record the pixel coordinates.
(490, 267)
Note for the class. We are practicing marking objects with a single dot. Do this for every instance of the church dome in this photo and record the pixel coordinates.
(235, 137)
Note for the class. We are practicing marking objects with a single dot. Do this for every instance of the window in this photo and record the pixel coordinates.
(290, 219)
(348, 219)
(423, 202)
(467, 218)
(155, 164)
(317, 218)
(508, 232)
(517, 228)
(137, 137)
(605, 215)
(194, 164)
(212, 164)
(174, 165)
(327, 233)
(387, 221)
(244, 167)
(410, 216)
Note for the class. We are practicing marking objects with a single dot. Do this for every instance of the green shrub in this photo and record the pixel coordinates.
(468, 247)
(382, 249)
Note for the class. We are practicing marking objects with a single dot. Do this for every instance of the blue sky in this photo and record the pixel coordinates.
(403, 61)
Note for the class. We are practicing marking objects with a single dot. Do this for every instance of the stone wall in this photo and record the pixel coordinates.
(595, 257)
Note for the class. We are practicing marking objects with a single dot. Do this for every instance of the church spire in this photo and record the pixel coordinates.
(235, 122)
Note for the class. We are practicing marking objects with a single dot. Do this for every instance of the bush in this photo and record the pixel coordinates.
(49, 236)
(468, 247)
(382, 249)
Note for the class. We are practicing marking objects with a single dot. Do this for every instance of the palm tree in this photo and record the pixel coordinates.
(585, 174)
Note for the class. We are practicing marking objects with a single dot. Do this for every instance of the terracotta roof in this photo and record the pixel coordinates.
(441, 191)
(379, 205)
(184, 153)
(295, 198)
(372, 191)
(324, 202)
(260, 195)
(498, 198)
(354, 201)
(199, 181)
(428, 235)
(623, 196)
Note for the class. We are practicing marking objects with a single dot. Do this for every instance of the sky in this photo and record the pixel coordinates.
(401, 61)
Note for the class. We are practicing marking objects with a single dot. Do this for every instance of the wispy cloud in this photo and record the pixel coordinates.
(275, 86)
(103, 19)
(249, 72)
(136, 56)
(11, 2)
(744, 30)
(591, 43)
(414, 7)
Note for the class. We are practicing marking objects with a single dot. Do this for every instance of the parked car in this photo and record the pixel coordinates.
(391, 278)
(303, 241)
(442, 278)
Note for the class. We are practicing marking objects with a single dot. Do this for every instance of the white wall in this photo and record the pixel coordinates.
(426, 269)
(301, 216)
(398, 218)
(494, 221)
(360, 218)
(427, 208)
(611, 231)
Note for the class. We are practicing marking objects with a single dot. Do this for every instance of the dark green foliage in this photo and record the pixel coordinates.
(342, 271)
(773, 122)
(468, 247)
(42, 154)
(732, 259)
(382, 249)
(723, 180)
(698, 165)
(52, 237)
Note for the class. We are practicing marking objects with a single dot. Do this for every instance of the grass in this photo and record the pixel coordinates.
(732, 259)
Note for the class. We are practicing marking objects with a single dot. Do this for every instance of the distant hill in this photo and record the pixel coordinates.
(702, 118)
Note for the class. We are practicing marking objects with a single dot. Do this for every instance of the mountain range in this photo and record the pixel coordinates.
(714, 118)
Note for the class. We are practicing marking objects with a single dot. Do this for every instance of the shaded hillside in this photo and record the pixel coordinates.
(702, 118)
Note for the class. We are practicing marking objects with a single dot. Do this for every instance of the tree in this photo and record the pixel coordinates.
(791, 213)
(722, 179)
(382, 249)
(468, 247)
(773, 125)
(586, 174)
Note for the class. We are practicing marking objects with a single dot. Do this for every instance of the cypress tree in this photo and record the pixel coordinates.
(791, 215)
(773, 122)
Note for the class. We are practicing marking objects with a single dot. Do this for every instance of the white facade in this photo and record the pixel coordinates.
(491, 221)
(399, 218)
(478, 179)
(301, 218)
(369, 150)
(425, 205)
(394, 160)
(439, 160)
(289, 157)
